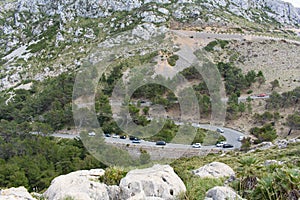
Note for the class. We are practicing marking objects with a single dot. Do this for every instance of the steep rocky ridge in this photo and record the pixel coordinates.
(42, 38)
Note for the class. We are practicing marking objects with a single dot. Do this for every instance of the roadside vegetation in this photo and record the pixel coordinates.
(254, 178)
(33, 161)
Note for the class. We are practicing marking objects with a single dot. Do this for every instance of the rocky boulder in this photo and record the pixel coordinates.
(19, 193)
(284, 142)
(158, 181)
(214, 170)
(222, 193)
(79, 185)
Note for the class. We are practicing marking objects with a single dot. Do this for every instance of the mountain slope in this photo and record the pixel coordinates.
(42, 38)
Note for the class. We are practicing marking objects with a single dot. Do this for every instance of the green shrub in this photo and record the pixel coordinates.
(282, 183)
(212, 137)
(113, 175)
(199, 137)
(172, 60)
(210, 47)
(197, 187)
(167, 133)
(265, 133)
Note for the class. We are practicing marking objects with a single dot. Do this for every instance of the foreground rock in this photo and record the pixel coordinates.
(214, 170)
(79, 185)
(222, 193)
(157, 181)
(19, 193)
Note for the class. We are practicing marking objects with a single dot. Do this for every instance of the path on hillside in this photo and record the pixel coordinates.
(226, 36)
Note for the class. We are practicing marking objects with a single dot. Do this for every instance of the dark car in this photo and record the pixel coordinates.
(160, 143)
(123, 137)
(227, 145)
(107, 135)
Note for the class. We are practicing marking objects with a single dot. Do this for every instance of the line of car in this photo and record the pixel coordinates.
(134, 139)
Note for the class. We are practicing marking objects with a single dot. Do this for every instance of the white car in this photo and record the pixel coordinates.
(220, 144)
(220, 130)
(92, 134)
(241, 138)
(116, 136)
(196, 145)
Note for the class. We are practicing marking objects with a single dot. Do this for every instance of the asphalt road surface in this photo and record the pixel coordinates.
(230, 135)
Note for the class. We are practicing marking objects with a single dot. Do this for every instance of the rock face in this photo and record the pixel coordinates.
(214, 170)
(25, 20)
(80, 185)
(157, 181)
(68, 9)
(19, 193)
(222, 193)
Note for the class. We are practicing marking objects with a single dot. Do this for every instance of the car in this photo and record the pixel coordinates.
(261, 95)
(131, 137)
(227, 145)
(123, 137)
(107, 135)
(220, 130)
(136, 140)
(91, 133)
(116, 136)
(220, 144)
(241, 138)
(196, 145)
(161, 143)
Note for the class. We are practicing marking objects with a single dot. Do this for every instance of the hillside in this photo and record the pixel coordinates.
(45, 38)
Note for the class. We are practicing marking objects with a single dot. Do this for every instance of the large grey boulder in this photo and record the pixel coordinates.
(222, 193)
(158, 181)
(214, 170)
(19, 193)
(79, 185)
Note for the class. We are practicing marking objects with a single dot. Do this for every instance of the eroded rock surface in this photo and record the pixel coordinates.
(214, 170)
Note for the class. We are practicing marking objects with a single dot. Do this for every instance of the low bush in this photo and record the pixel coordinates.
(113, 176)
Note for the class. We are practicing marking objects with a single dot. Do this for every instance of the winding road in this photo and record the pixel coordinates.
(230, 135)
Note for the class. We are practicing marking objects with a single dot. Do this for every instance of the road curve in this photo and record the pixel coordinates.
(230, 135)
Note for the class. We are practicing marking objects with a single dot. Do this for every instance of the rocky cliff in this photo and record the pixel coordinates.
(281, 11)
(35, 34)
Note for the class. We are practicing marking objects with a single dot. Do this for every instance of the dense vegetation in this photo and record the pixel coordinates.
(254, 178)
(285, 100)
(27, 157)
(33, 161)
(265, 133)
(210, 47)
(235, 81)
(46, 104)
